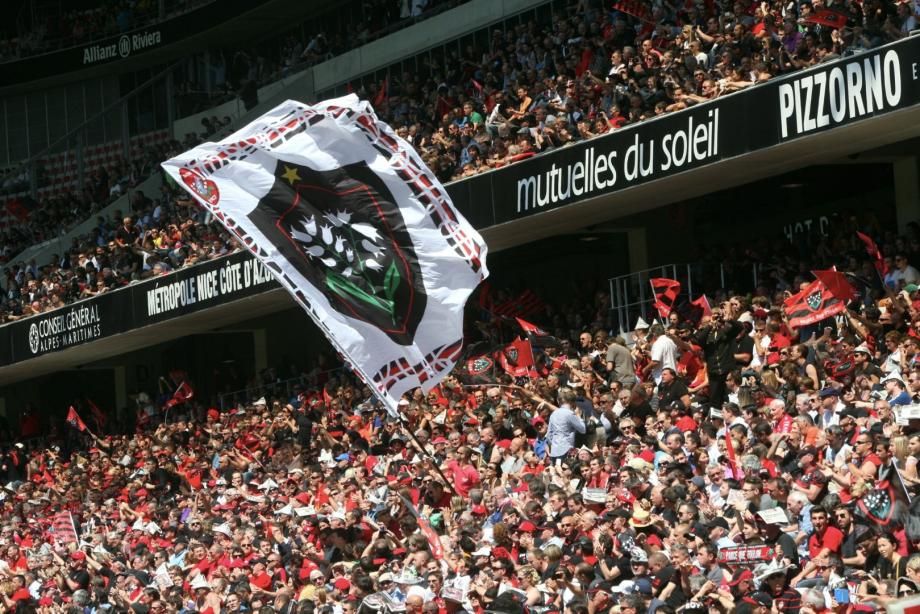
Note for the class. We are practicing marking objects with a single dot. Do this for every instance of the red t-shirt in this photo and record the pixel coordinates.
(831, 539)
(465, 477)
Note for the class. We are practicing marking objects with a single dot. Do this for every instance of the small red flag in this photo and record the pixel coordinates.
(516, 358)
(666, 291)
(382, 95)
(730, 452)
(183, 394)
(531, 328)
(525, 304)
(875, 253)
(703, 303)
(829, 18)
(74, 419)
(434, 542)
(837, 284)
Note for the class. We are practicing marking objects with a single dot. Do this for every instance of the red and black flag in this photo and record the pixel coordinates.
(65, 530)
(73, 418)
(636, 8)
(875, 253)
(887, 502)
(525, 304)
(666, 291)
(434, 541)
(477, 366)
(811, 305)
(538, 337)
(183, 394)
(836, 283)
(828, 17)
(98, 415)
(516, 358)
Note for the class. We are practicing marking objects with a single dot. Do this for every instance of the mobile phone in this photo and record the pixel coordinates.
(841, 595)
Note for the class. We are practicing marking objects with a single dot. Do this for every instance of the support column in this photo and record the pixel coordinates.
(906, 191)
(260, 349)
(121, 388)
(638, 249)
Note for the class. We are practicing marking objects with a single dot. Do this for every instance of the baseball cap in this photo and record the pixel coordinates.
(740, 576)
(717, 522)
(342, 584)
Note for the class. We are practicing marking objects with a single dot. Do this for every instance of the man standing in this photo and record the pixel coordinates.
(462, 472)
(564, 423)
(663, 354)
(716, 338)
(620, 366)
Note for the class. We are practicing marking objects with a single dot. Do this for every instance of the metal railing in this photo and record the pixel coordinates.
(283, 388)
(631, 295)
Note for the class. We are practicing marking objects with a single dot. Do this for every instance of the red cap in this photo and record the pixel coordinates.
(78, 556)
(527, 527)
(342, 584)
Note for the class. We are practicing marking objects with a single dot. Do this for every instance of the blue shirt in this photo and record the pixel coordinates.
(562, 428)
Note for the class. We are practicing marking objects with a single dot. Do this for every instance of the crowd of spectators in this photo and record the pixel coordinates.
(545, 84)
(237, 71)
(72, 26)
(49, 218)
(161, 233)
(623, 474)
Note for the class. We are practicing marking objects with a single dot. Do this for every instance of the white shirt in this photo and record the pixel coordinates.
(664, 352)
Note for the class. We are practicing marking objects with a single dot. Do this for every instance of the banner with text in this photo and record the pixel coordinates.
(837, 93)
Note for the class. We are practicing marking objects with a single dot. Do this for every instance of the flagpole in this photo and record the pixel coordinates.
(393, 411)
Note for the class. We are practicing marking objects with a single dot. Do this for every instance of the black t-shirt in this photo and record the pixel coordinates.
(661, 579)
(786, 544)
(127, 235)
(744, 345)
(672, 393)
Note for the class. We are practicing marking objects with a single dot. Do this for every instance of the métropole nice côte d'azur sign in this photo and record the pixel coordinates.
(601, 170)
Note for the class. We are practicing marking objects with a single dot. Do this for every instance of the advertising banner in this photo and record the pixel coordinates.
(123, 46)
(200, 287)
(804, 103)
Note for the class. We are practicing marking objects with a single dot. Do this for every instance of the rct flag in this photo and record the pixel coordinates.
(355, 226)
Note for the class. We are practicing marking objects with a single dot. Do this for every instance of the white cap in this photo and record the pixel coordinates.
(222, 528)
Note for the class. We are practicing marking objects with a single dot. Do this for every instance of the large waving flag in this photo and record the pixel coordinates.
(355, 226)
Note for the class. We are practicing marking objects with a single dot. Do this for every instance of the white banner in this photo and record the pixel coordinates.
(350, 220)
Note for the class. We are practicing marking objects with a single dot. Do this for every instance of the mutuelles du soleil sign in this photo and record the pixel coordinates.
(836, 93)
